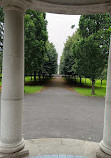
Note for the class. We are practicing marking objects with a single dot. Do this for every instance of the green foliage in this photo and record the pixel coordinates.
(40, 55)
(61, 66)
(86, 52)
(50, 59)
(109, 30)
(90, 58)
(35, 40)
(68, 60)
(95, 27)
(103, 75)
(91, 24)
(98, 26)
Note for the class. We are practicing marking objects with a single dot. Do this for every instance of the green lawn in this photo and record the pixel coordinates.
(28, 89)
(28, 78)
(85, 89)
(32, 89)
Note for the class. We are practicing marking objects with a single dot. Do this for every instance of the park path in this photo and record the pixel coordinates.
(59, 112)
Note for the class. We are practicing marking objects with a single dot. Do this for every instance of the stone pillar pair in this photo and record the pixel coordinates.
(13, 86)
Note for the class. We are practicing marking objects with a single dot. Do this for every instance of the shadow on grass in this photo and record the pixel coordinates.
(41, 82)
(72, 82)
(86, 88)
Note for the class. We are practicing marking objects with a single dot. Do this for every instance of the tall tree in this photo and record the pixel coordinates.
(93, 30)
(90, 59)
(89, 47)
(61, 66)
(35, 41)
(68, 62)
(50, 59)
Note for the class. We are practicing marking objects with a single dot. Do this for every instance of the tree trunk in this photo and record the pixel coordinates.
(80, 80)
(93, 88)
(85, 80)
(101, 82)
(34, 75)
(24, 77)
(31, 77)
(43, 76)
(39, 76)
(75, 79)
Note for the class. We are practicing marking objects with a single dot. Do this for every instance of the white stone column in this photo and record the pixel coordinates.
(12, 81)
(105, 144)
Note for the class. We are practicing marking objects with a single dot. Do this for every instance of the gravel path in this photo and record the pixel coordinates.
(59, 112)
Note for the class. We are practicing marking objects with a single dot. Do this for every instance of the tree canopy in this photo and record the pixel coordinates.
(40, 54)
(87, 50)
(35, 40)
(50, 59)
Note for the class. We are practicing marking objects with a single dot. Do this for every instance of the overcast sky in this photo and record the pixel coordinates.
(59, 28)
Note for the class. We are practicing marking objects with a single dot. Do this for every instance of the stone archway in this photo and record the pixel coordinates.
(13, 65)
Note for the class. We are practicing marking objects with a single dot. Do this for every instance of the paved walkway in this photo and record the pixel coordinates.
(59, 112)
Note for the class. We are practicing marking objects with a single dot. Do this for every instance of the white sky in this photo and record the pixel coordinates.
(59, 28)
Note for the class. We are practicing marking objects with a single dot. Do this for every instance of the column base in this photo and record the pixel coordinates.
(105, 149)
(22, 153)
(101, 154)
(11, 148)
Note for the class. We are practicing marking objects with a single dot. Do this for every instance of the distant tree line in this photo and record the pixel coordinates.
(85, 54)
(40, 54)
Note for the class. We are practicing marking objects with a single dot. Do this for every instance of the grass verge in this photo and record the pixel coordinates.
(85, 88)
(32, 89)
(29, 87)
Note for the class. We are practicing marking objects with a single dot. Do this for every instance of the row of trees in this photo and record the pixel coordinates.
(86, 53)
(40, 54)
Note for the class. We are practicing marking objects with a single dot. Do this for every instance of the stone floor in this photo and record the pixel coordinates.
(61, 148)
(58, 148)
(59, 156)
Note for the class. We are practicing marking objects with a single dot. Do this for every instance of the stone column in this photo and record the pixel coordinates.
(105, 144)
(12, 81)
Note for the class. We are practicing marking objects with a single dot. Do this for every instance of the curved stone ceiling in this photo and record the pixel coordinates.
(75, 2)
(74, 7)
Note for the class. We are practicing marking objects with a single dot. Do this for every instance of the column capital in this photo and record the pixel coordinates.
(16, 5)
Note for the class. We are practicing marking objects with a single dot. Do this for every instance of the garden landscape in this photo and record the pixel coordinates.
(55, 105)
